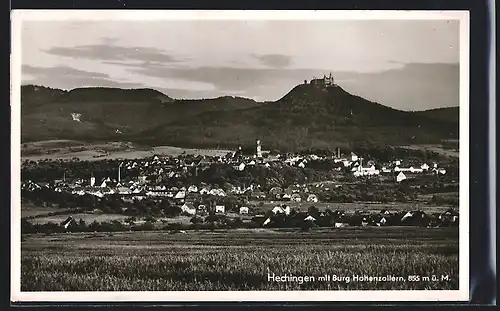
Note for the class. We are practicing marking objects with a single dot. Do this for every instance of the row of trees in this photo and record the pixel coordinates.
(213, 221)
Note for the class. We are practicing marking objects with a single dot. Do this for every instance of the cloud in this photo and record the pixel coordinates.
(274, 60)
(115, 53)
(61, 70)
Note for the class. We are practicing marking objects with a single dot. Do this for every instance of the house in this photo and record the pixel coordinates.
(204, 191)
(415, 218)
(295, 197)
(193, 188)
(278, 210)
(385, 170)
(441, 171)
(67, 222)
(275, 192)
(98, 194)
(103, 184)
(354, 157)
(180, 195)
(364, 222)
(123, 190)
(266, 222)
(302, 164)
(416, 170)
(286, 209)
(381, 220)
(365, 171)
(286, 197)
(401, 176)
(408, 215)
(188, 208)
(92, 181)
(309, 218)
(240, 167)
(220, 209)
(202, 209)
(449, 217)
(258, 195)
(243, 210)
(312, 198)
(424, 167)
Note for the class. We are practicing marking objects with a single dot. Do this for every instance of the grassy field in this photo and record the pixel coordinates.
(68, 149)
(434, 148)
(40, 211)
(87, 217)
(239, 259)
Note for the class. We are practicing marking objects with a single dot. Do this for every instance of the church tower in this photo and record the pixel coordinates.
(258, 149)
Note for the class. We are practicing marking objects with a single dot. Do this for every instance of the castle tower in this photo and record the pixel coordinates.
(259, 149)
(92, 181)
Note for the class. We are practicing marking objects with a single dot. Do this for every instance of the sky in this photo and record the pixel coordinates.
(405, 64)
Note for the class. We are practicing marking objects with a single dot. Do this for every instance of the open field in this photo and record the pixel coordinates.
(87, 217)
(41, 211)
(239, 259)
(434, 148)
(352, 207)
(68, 149)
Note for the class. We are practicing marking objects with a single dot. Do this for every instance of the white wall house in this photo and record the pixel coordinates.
(366, 171)
(180, 195)
(401, 176)
(188, 209)
(193, 188)
(312, 198)
(240, 167)
(354, 157)
(220, 209)
(278, 210)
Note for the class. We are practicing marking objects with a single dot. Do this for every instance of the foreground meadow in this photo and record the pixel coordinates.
(240, 260)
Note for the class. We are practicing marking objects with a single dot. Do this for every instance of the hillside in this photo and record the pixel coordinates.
(308, 116)
(107, 113)
(442, 114)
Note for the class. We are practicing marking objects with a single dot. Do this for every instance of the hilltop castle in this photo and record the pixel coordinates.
(326, 81)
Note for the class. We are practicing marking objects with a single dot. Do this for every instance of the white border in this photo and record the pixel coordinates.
(17, 16)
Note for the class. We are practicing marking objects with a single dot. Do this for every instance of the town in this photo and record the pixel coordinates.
(244, 188)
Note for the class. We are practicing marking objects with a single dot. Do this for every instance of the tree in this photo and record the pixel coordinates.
(196, 220)
(306, 225)
(313, 211)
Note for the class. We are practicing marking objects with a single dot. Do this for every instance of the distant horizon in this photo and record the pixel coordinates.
(206, 98)
(403, 64)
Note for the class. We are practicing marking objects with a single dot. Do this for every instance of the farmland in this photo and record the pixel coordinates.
(238, 259)
(69, 149)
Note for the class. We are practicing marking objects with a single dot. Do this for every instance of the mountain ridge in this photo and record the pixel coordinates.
(309, 115)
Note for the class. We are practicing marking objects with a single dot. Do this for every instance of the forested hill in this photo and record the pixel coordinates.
(309, 116)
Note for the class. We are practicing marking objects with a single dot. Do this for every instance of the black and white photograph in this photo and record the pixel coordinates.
(240, 155)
